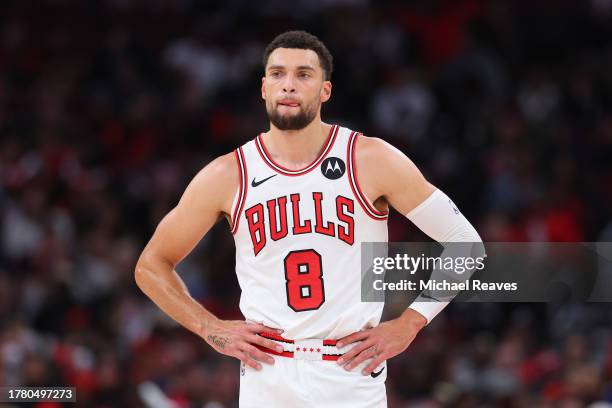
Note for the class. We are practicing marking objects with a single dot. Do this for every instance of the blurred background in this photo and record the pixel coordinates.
(108, 108)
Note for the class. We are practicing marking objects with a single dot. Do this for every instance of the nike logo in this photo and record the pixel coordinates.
(374, 375)
(256, 183)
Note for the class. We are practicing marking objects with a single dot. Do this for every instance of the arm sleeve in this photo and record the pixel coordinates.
(441, 220)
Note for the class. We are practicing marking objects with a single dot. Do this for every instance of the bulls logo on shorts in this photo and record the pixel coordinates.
(333, 168)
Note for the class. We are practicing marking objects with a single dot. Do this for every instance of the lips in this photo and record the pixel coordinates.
(289, 102)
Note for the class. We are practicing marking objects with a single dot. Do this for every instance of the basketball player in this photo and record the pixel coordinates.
(299, 200)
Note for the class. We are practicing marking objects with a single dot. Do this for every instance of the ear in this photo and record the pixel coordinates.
(326, 91)
(263, 88)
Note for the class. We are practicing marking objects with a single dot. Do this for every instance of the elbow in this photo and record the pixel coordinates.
(141, 271)
(149, 269)
(478, 249)
(139, 274)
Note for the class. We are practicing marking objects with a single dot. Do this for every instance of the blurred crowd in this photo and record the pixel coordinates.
(108, 109)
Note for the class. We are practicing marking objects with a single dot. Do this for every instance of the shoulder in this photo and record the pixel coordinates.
(369, 145)
(224, 167)
(217, 182)
(220, 170)
(377, 156)
(389, 172)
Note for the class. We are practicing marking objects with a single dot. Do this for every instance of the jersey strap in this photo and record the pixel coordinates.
(242, 189)
(352, 171)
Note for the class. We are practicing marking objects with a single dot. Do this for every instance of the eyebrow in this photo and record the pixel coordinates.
(302, 67)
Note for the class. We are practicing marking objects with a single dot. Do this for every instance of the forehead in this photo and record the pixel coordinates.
(293, 58)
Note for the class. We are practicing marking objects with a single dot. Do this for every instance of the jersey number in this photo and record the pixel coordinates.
(304, 280)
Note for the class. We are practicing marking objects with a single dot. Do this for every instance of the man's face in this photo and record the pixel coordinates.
(294, 88)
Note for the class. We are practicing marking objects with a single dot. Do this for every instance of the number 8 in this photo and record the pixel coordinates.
(304, 280)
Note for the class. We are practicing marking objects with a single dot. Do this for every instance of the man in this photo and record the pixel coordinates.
(299, 200)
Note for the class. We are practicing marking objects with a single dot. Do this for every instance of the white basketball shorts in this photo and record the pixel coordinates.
(305, 380)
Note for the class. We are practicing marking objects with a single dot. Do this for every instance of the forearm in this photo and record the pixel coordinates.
(160, 282)
(441, 220)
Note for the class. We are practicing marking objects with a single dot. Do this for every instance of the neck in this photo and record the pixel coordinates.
(296, 149)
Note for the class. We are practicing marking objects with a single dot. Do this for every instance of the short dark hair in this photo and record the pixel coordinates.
(304, 41)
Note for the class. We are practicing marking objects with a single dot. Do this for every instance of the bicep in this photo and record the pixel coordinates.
(403, 184)
(179, 232)
(200, 207)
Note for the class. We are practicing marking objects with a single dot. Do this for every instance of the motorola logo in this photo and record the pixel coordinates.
(333, 168)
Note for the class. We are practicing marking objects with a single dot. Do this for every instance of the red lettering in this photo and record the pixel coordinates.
(281, 203)
(278, 225)
(297, 227)
(256, 227)
(344, 207)
(328, 229)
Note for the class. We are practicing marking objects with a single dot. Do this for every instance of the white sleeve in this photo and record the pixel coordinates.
(441, 220)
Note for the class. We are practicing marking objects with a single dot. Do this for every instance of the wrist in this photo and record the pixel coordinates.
(207, 324)
(413, 319)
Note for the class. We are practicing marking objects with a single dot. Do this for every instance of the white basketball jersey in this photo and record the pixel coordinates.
(298, 236)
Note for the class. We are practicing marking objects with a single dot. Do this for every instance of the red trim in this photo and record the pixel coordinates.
(270, 351)
(273, 336)
(244, 187)
(233, 221)
(263, 152)
(290, 354)
(326, 357)
(354, 182)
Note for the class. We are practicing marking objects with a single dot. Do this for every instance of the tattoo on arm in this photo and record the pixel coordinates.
(219, 341)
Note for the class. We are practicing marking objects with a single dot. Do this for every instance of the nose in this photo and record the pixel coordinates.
(289, 84)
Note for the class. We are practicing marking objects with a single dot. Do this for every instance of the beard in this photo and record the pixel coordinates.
(295, 121)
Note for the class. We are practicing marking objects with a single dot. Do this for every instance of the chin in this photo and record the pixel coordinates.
(288, 112)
